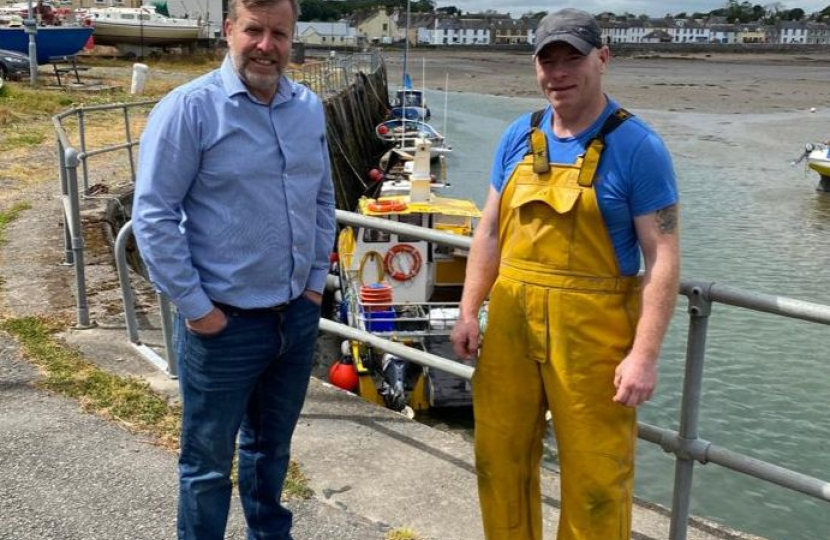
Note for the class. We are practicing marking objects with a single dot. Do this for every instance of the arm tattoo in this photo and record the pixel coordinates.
(667, 219)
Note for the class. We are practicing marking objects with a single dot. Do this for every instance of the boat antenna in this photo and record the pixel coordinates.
(446, 92)
(423, 78)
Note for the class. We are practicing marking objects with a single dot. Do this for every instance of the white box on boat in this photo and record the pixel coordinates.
(443, 318)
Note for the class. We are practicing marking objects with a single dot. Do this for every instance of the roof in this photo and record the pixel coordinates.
(325, 28)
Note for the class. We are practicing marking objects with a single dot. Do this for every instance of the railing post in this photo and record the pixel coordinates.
(166, 310)
(82, 137)
(72, 211)
(124, 279)
(68, 256)
(699, 309)
(129, 137)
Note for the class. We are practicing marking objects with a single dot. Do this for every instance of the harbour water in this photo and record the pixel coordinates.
(750, 220)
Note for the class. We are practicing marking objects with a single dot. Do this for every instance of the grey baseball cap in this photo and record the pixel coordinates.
(572, 26)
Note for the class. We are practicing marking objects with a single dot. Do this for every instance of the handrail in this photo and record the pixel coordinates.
(686, 444)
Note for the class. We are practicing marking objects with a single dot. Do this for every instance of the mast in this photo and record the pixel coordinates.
(405, 97)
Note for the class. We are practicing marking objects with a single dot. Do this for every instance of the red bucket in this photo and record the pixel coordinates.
(376, 296)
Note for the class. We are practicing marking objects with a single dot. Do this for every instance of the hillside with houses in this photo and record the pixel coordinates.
(384, 26)
(358, 23)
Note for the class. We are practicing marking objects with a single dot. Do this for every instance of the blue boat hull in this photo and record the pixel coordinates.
(51, 40)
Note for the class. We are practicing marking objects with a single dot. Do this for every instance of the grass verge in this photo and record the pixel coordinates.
(8, 216)
(128, 401)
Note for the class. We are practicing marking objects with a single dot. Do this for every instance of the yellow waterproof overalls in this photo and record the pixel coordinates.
(560, 320)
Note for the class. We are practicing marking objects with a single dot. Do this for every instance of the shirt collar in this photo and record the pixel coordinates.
(234, 85)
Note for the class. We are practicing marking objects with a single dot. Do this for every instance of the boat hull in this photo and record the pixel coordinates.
(107, 33)
(51, 40)
(819, 161)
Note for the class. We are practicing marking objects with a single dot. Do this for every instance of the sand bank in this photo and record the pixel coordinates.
(717, 83)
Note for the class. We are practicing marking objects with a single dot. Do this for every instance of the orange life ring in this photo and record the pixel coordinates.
(387, 205)
(399, 274)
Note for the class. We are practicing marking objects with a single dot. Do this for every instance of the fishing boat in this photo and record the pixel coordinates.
(817, 157)
(410, 104)
(140, 26)
(405, 289)
(401, 133)
(51, 41)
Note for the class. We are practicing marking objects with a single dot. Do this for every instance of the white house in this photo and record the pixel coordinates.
(793, 32)
(453, 31)
(338, 34)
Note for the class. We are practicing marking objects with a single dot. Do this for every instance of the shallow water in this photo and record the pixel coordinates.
(750, 220)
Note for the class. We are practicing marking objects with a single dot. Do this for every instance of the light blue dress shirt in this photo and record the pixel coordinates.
(234, 200)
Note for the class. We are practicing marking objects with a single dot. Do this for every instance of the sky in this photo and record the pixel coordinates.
(654, 8)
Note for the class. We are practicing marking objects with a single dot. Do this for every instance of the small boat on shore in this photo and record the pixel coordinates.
(404, 289)
(140, 26)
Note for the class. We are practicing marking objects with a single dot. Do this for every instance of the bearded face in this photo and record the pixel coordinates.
(259, 41)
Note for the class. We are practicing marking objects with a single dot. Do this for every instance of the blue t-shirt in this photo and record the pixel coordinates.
(635, 175)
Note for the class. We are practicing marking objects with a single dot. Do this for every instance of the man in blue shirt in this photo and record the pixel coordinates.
(234, 216)
(578, 191)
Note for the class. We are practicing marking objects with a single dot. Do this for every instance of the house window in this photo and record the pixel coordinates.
(385, 27)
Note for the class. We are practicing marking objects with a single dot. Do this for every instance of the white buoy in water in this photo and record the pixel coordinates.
(812, 109)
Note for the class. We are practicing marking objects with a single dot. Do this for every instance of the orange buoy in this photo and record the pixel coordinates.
(343, 374)
(387, 205)
(392, 266)
(375, 175)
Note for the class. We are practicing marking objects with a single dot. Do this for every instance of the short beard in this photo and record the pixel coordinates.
(256, 81)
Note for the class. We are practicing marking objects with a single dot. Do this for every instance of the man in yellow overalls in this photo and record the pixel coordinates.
(579, 190)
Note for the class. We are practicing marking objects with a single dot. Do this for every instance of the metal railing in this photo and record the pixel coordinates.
(167, 363)
(686, 443)
(71, 156)
(335, 74)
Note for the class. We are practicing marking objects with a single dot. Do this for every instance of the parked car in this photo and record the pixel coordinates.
(13, 65)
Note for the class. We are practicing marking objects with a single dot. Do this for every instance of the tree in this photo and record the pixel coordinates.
(423, 6)
(792, 14)
(449, 10)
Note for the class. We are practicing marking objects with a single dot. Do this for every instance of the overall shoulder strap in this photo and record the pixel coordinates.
(537, 145)
(612, 122)
(590, 161)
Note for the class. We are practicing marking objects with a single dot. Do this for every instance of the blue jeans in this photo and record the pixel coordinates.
(249, 379)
